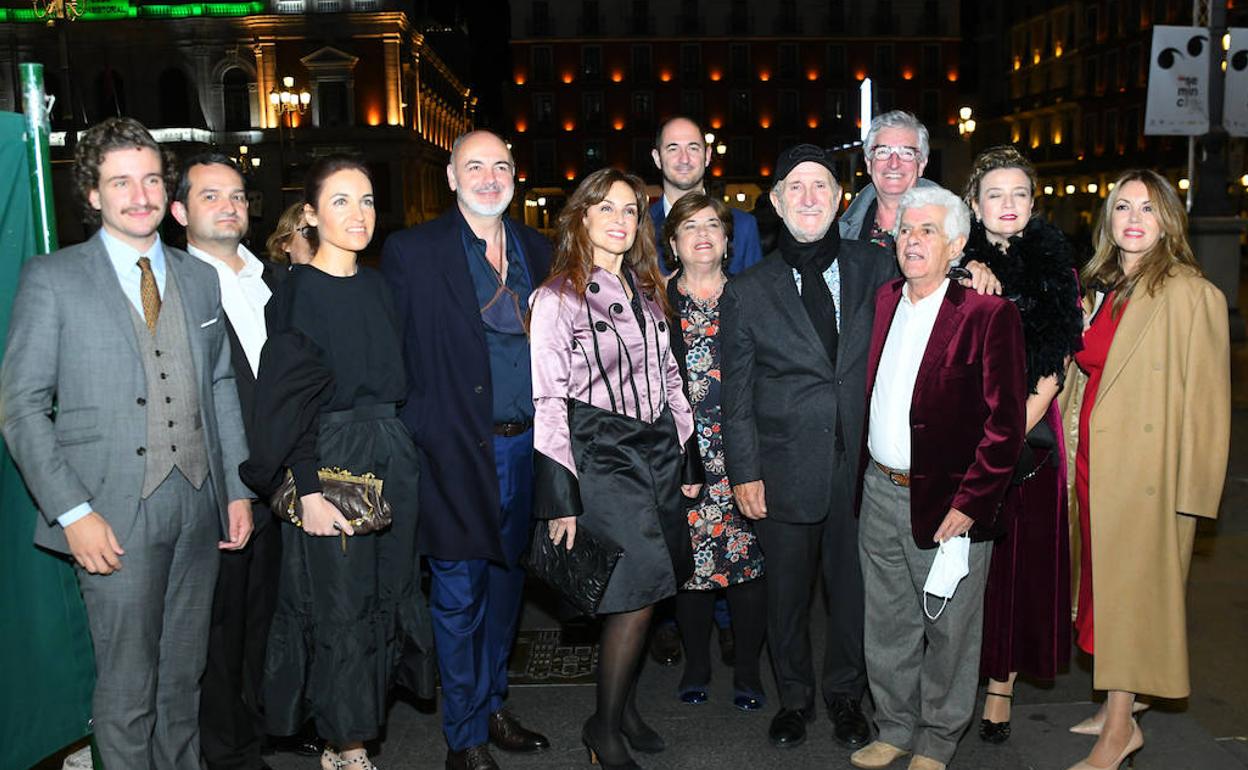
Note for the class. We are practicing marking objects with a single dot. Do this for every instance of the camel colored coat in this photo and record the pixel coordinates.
(1160, 433)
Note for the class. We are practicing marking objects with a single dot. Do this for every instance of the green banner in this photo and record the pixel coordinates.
(46, 664)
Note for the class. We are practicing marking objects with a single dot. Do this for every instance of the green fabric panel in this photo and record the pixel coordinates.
(46, 664)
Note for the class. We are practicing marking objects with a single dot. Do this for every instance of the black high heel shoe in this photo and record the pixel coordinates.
(593, 742)
(641, 736)
(995, 732)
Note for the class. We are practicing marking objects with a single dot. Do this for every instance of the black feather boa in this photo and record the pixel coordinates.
(1037, 272)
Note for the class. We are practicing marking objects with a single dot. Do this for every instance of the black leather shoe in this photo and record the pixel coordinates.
(508, 734)
(474, 758)
(302, 745)
(848, 722)
(994, 732)
(665, 645)
(788, 728)
(727, 646)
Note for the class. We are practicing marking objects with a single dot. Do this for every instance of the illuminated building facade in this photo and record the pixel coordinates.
(593, 79)
(208, 74)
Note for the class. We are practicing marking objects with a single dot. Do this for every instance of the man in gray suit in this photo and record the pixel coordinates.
(118, 403)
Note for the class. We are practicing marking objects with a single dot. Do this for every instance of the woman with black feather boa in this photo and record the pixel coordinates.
(1027, 601)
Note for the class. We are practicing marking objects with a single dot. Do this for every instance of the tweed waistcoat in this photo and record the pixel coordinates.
(175, 432)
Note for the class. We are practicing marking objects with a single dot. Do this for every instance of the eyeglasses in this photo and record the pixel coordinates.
(904, 154)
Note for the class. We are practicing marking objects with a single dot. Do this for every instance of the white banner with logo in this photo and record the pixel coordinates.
(1235, 108)
(1178, 82)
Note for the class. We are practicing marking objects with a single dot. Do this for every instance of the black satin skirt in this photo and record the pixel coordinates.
(629, 474)
(351, 623)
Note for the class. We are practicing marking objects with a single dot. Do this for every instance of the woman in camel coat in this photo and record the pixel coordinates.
(1154, 437)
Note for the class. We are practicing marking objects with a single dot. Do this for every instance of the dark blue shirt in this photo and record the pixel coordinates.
(509, 351)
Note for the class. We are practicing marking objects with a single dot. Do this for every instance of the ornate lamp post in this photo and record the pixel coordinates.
(966, 123)
(57, 12)
(287, 102)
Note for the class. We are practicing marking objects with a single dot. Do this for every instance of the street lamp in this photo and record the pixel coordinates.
(287, 102)
(966, 123)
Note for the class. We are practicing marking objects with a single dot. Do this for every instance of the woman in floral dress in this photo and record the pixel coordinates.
(726, 554)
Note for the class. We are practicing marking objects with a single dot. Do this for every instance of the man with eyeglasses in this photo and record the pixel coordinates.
(461, 287)
(896, 152)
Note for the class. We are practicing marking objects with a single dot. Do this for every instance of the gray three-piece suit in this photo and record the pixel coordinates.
(146, 427)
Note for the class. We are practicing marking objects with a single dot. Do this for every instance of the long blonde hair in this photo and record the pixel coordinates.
(1104, 271)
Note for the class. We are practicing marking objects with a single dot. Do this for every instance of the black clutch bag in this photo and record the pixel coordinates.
(581, 574)
(1038, 449)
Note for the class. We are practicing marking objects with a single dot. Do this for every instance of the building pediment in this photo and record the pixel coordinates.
(329, 59)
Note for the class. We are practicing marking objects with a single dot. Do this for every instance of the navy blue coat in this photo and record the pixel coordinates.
(449, 407)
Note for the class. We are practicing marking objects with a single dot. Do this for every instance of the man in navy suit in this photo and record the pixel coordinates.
(461, 285)
(682, 155)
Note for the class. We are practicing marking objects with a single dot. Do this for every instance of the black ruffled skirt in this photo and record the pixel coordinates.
(351, 624)
(629, 474)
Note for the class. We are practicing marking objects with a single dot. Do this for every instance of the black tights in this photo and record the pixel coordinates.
(694, 610)
(619, 649)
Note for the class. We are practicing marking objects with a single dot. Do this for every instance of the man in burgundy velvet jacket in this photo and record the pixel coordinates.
(945, 424)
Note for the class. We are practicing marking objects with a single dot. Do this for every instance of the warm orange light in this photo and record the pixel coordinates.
(519, 78)
(1018, 63)
(716, 75)
(374, 116)
(665, 76)
(617, 77)
(764, 75)
(764, 121)
(1057, 49)
(618, 124)
(567, 77)
(907, 74)
(953, 121)
(812, 74)
(568, 125)
(764, 170)
(717, 171)
(860, 75)
(952, 76)
(858, 123)
(295, 119)
(522, 177)
(570, 174)
(717, 123)
(1035, 56)
(812, 122)
(521, 126)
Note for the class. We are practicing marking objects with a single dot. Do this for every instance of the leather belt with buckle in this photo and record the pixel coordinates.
(509, 429)
(899, 478)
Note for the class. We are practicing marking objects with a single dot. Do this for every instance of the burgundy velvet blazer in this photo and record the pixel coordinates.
(968, 412)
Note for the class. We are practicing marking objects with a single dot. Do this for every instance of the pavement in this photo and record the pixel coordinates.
(1209, 731)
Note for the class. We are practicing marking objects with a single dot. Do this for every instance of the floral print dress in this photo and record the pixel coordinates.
(725, 550)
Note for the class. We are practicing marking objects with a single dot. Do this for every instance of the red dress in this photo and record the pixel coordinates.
(1096, 341)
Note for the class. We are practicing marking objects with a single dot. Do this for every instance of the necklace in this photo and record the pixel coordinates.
(683, 284)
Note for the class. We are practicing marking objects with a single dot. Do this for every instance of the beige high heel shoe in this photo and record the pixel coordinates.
(1134, 744)
(1093, 724)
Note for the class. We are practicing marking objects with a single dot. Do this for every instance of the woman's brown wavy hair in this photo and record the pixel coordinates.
(574, 254)
(1104, 271)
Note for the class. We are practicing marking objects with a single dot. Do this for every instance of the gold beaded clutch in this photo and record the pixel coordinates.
(358, 497)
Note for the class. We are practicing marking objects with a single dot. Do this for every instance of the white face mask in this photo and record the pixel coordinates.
(952, 563)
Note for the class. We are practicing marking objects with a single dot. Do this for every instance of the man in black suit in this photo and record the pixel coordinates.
(211, 203)
(795, 333)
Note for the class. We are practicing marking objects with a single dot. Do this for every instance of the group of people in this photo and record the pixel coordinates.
(890, 401)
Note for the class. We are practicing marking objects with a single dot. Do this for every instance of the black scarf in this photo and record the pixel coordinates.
(810, 260)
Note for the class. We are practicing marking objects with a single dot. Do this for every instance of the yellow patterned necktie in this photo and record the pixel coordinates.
(149, 294)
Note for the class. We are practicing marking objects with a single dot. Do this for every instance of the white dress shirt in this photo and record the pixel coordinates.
(888, 439)
(243, 297)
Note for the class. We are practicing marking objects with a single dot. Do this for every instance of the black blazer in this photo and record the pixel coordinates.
(244, 379)
(782, 398)
(449, 408)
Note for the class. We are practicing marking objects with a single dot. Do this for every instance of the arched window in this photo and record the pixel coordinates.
(110, 95)
(174, 96)
(236, 90)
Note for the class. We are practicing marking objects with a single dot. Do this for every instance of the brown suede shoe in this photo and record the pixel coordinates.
(920, 762)
(876, 755)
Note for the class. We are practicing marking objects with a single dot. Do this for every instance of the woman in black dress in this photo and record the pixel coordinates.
(331, 374)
